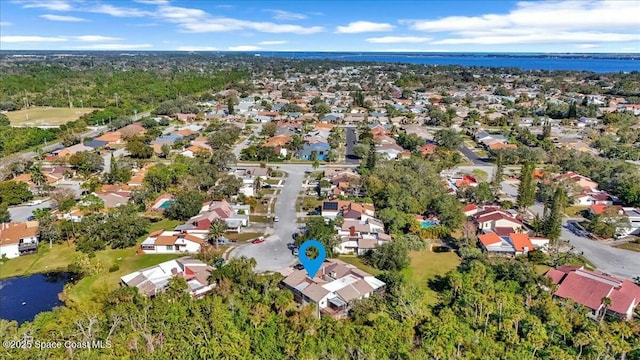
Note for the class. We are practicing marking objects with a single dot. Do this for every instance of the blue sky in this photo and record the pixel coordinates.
(481, 26)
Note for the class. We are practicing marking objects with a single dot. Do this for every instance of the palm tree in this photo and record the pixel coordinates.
(605, 302)
(216, 230)
(37, 177)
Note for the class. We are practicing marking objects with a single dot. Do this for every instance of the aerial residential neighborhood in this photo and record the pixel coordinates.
(471, 205)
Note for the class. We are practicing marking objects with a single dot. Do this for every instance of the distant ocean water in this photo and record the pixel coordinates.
(600, 63)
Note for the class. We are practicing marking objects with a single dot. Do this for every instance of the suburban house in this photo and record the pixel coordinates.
(514, 244)
(113, 198)
(493, 218)
(389, 151)
(132, 130)
(334, 288)
(347, 209)
(68, 151)
(320, 149)
(18, 239)
(582, 181)
(172, 242)
(278, 144)
(153, 280)
(112, 138)
(594, 198)
(235, 216)
(360, 236)
(589, 288)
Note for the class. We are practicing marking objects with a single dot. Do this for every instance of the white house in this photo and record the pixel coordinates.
(18, 239)
(172, 242)
(153, 280)
(359, 236)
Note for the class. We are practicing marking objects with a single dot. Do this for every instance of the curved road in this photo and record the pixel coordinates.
(273, 255)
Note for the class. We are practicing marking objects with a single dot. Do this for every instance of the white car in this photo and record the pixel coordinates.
(276, 219)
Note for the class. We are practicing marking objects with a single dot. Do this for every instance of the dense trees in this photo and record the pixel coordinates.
(400, 190)
(484, 310)
(14, 192)
(120, 227)
(447, 138)
(86, 161)
(186, 204)
(527, 187)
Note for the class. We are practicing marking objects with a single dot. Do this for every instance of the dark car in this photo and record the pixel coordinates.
(31, 218)
(266, 186)
(298, 267)
(290, 246)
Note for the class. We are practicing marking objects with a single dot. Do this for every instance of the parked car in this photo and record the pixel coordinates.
(276, 219)
(290, 246)
(294, 251)
(298, 266)
(31, 218)
(259, 240)
(266, 186)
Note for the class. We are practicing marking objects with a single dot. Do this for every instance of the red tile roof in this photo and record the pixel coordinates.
(489, 239)
(521, 241)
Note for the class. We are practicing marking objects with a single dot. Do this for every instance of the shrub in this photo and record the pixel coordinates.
(114, 268)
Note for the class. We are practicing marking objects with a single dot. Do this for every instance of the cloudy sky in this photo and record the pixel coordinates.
(303, 25)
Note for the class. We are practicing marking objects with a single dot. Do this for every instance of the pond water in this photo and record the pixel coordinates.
(24, 297)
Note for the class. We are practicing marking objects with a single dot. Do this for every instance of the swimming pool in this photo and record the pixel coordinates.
(427, 223)
(165, 205)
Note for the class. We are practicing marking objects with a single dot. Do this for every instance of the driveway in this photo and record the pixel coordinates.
(273, 255)
(475, 159)
(107, 158)
(351, 139)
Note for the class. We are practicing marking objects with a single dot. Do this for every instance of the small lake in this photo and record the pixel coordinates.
(24, 297)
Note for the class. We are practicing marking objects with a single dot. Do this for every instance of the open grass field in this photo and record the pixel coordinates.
(357, 262)
(426, 265)
(46, 116)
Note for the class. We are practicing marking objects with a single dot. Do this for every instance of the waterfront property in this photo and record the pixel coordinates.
(18, 239)
(153, 280)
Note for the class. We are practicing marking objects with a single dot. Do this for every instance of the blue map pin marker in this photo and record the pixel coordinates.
(312, 266)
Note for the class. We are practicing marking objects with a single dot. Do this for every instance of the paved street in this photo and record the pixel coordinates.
(608, 259)
(243, 144)
(21, 213)
(351, 139)
(273, 255)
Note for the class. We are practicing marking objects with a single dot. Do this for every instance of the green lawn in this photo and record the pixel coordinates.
(426, 265)
(47, 259)
(273, 181)
(258, 218)
(541, 269)
(128, 261)
(632, 246)
(46, 116)
(354, 260)
(575, 211)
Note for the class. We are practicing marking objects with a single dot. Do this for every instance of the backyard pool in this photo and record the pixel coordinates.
(165, 205)
(427, 223)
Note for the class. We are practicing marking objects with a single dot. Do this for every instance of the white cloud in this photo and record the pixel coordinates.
(96, 38)
(273, 42)
(28, 38)
(541, 38)
(397, 39)
(5, 23)
(153, 2)
(62, 18)
(118, 11)
(363, 26)
(286, 15)
(196, 48)
(198, 21)
(244, 48)
(587, 46)
(115, 47)
(549, 22)
(55, 5)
